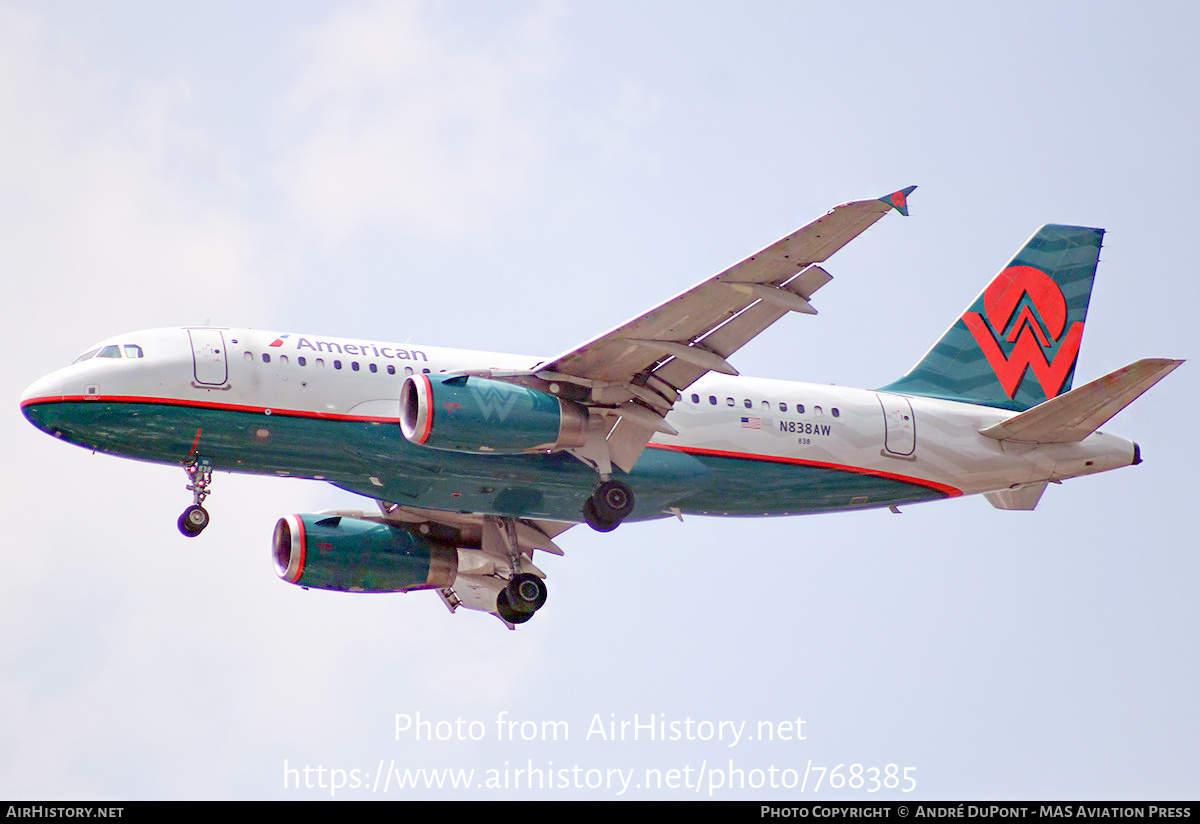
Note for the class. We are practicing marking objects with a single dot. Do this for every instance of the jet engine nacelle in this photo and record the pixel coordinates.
(472, 414)
(354, 555)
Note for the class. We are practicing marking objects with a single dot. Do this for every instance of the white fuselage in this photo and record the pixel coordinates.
(259, 378)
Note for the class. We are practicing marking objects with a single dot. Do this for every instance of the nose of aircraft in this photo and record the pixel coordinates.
(47, 386)
(38, 400)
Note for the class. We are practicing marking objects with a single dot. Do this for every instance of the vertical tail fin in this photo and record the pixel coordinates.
(1017, 343)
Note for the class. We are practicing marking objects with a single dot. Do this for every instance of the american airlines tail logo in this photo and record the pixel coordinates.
(1027, 329)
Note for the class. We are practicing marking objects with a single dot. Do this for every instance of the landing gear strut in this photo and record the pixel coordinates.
(193, 520)
(610, 504)
(525, 592)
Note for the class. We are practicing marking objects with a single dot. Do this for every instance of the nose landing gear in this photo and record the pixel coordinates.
(195, 518)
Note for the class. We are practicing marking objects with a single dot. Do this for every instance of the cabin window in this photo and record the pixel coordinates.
(818, 410)
(799, 409)
(749, 404)
(319, 363)
(391, 369)
(835, 412)
(303, 361)
(782, 406)
(266, 357)
(695, 399)
(373, 368)
(729, 402)
(712, 399)
(354, 365)
(248, 356)
(408, 370)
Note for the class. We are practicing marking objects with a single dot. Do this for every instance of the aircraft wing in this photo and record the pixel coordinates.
(659, 353)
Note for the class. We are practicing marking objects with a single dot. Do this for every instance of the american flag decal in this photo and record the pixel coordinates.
(751, 423)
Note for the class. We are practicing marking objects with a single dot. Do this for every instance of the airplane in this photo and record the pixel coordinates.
(475, 460)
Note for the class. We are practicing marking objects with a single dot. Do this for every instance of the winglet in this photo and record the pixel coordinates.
(899, 200)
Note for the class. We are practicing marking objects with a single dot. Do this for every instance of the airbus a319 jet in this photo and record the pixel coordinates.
(475, 459)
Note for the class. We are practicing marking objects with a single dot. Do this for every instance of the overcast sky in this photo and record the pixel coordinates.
(519, 177)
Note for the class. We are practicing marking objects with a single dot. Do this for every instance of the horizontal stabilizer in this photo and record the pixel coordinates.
(1072, 417)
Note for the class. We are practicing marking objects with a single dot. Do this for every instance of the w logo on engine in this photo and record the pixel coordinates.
(1026, 327)
(492, 400)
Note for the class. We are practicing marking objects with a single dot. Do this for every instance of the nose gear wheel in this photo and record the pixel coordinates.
(195, 518)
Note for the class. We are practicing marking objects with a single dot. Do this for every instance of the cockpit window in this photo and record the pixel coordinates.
(132, 350)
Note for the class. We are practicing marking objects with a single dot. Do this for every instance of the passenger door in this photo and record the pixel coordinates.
(900, 426)
(208, 357)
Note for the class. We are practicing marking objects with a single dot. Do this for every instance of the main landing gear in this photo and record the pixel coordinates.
(609, 504)
(193, 520)
(507, 543)
(523, 596)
